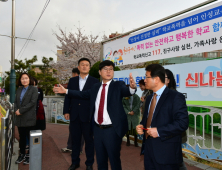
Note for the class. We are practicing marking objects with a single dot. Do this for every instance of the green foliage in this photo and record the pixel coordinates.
(148, 63)
(216, 118)
(94, 71)
(161, 62)
(20, 67)
(46, 81)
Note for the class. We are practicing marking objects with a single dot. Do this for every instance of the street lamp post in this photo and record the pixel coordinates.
(12, 73)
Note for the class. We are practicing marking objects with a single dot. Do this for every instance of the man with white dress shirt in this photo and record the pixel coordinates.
(107, 114)
(78, 111)
(75, 73)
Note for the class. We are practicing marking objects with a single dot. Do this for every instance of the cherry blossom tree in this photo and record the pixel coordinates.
(74, 45)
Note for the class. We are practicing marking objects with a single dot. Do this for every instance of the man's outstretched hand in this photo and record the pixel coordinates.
(59, 89)
(132, 82)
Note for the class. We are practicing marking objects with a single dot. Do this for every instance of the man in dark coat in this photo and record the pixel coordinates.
(107, 114)
(164, 119)
(78, 110)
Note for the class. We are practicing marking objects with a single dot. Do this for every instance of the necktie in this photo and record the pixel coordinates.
(101, 105)
(150, 116)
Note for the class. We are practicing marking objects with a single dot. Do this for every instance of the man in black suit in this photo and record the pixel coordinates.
(75, 73)
(77, 110)
(107, 114)
(164, 119)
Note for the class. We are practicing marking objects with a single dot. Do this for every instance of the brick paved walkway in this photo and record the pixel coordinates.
(55, 137)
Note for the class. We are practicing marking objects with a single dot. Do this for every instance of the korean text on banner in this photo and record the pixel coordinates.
(196, 32)
(201, 83)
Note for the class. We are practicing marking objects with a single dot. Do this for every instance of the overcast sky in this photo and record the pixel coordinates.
(97, 16)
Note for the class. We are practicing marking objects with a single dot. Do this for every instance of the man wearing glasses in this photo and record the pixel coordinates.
(164, 119)
(107, 114)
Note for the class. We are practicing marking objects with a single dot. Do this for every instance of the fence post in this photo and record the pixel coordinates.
(207, 116)
(4, 142)
(201, 122)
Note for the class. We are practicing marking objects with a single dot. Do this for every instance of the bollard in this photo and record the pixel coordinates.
(35, 159)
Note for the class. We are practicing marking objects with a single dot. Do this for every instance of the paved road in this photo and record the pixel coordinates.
(55, 137)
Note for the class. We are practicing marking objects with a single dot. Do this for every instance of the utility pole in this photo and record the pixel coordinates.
(12, 74)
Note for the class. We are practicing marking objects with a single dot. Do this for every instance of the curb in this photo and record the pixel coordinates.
(198, 165)
(189, 162)
(14, 166)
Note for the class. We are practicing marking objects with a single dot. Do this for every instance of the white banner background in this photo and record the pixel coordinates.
(199, 93)
(199, 31)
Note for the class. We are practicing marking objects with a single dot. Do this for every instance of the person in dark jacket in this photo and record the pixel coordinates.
(77, 111)
(164, 120)
(40, 92)
(106, 114)
(40, 112)
(25, 112)
(131, 106)
(75, 73)
(171, 83)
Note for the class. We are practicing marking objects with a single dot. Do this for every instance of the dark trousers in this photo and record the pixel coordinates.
(69, 143)
(183, 166)
(23, 133)
(78, 129)
(150, 161)
(107, 145)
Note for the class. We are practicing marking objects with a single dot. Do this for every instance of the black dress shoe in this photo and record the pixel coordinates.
(73, 167)
(89, 167)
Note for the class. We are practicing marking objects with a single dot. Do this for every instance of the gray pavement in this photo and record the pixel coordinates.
(189, 163)
(15, 155)
(55, 137)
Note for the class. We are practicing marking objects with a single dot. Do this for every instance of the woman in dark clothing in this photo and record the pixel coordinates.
(40, 113)
(131, 106)
(25, 112)
(171, 83)
(40, 92)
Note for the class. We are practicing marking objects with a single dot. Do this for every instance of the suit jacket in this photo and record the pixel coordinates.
(171, 119)
(184, 134)
(76, 106)
(27, 108)
(117, 90)
(132, 119)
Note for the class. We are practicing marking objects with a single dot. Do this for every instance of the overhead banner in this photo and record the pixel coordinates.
(196, 32)
(201, 83)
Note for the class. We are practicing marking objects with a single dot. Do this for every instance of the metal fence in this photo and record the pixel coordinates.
(7, 135)
(204, 132)
(53, 106)
(57, 112)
